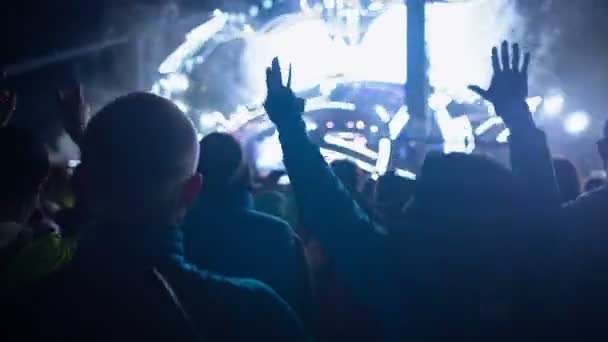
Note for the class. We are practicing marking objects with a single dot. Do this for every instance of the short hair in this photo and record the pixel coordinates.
(459, 183)
(137, 150)
(567, 179)
(25, 165)
(222, 163)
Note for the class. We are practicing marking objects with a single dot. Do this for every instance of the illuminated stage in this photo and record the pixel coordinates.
(349, 62)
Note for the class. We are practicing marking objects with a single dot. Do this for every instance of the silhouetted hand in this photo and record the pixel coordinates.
(8, 104)
(281, 104)
(509, 87)
(75, 111)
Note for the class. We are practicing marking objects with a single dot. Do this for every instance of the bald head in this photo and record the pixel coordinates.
(137, 154)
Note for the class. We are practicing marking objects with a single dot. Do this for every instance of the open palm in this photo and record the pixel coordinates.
(509, 86)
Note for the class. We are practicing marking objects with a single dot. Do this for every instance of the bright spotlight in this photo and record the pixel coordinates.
(176, 82)
(553, 105)
(577, 122)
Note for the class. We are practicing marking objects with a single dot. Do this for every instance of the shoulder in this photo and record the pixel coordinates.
(270, 223)
(242, 306)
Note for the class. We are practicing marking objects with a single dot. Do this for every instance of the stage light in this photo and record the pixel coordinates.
(384, 155)
(488, 124)
(194, 40)
(360, 124)
(373, 129)
(398, 122)
(534, 102)
(310, 125)
(350, 145)
(405, 174)
(267, 4)
(553, 105)
(503, 136)
(175, 82)
(254, 11)
(350, 124)
(329, 124)
(317, 103)
(439, 101)
(577, 122)
(382, 113)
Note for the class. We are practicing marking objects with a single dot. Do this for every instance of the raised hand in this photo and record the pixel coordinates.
(509, 87)
(8, 104)
(75, 111)
(281, 104)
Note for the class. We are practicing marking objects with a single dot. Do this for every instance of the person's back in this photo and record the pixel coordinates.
(128, 279)
(224, 234)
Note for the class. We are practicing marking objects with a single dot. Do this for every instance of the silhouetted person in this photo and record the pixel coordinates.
(225, 234)
(128, 280)
(455, 271)
(567, 179)
(25, 166)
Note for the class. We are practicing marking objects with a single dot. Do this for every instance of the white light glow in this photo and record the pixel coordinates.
(398, 122)
(360, 125)
(488, 124)
(310, 125)
(350, 145)
(318, 103)
(373, 129)
(457, 132)
(503, 136)
(210, 121)
(384, 155)
(405, 174)
(577, 122)
(534, 103)
(175, 82)
(439, 101)
(382, 113)
(330, 156)
(553, 105)
(269, 153)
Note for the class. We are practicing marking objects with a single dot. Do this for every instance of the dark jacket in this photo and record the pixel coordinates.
(121, 288)
(224, 234)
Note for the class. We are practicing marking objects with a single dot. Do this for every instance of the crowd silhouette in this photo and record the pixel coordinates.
(155, 236)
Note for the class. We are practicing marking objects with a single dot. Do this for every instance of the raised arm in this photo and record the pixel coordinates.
(75, 111)
(530, 157)
(357, 247)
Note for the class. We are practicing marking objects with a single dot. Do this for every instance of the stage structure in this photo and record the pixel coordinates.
(379, 76)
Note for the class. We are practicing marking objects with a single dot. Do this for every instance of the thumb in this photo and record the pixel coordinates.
(479, 91)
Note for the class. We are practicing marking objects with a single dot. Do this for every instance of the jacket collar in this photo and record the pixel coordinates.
(127, 247)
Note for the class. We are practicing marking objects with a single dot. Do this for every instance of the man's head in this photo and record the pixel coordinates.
(222, 164)
(24, 167)
(464, 186)
(139, 159)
